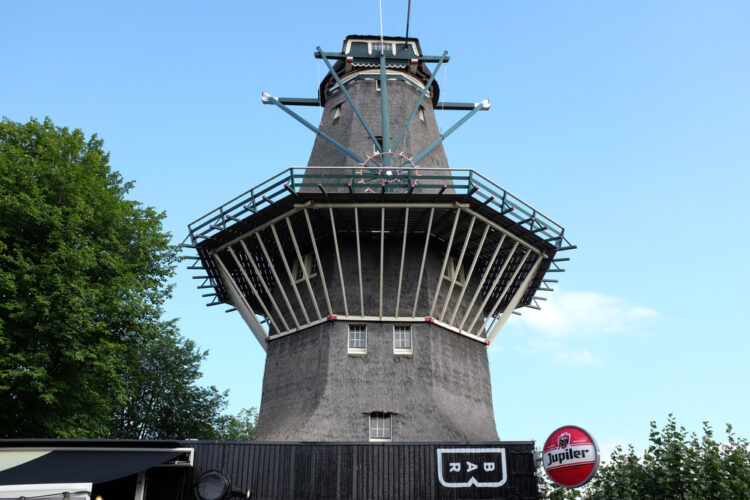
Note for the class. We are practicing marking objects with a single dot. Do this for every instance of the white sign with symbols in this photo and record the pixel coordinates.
(466, 467)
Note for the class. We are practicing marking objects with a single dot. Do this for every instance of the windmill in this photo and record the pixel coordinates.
(376, 276)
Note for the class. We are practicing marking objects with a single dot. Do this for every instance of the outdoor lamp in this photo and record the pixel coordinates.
(215, 485)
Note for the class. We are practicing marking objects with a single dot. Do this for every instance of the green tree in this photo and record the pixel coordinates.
(240, 427)
(84, 272)
(677, 464)
(165, 402)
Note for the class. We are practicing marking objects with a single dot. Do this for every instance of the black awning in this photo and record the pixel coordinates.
(85, 465)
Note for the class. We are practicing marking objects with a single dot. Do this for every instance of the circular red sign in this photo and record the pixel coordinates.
(570, 456)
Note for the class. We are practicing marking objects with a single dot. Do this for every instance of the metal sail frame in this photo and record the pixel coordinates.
(385, 145)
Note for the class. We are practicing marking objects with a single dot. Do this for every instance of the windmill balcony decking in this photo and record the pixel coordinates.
(452, 248)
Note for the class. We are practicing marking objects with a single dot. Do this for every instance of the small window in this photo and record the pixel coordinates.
(380, 426)
(450, 272)
(357, 339)
(421, 113)
(377, 47)
(337, 112)
(402, 339)
(310, 265)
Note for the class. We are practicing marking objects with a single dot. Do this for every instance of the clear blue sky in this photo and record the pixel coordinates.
(628, 122)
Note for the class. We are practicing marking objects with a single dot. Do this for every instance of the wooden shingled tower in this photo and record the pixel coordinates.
(376, 277)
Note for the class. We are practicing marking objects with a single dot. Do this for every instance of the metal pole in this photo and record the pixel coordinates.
(403, 255)
(276, 277)
(482, 281)
(238, 300)
(445, 261)
(419, 101)
(484, 105)
(261, 227)
(140, 486)
(492, 287)
(424, 258)
(382, 242)
(449, 205)
(289, 273)
(468, 275)
(302, 266)
(263, 282)
(255, 292)
(338, 260)
(514, 301)
(384, 106)
(359, 263)
(320, 264)
(351, 101)
(408, 15)
(269, 99)
(456, 269)
(507, 286)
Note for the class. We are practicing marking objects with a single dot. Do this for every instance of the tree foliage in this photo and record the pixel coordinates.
(240, 427)
(677, 464)
(84, 272)
(165, 402)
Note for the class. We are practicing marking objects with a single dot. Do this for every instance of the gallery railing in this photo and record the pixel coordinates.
(387, 180)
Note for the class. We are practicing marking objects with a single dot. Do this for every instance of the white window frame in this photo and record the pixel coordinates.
(375, 47)
(337, 111)
(311, 266)
(387, 427)
(450, 272)
(403, 350)
(356, 350)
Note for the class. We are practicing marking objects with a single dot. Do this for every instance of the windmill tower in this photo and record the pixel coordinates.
(376, 277)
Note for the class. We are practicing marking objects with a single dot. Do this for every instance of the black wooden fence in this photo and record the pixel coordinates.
(361, 470)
